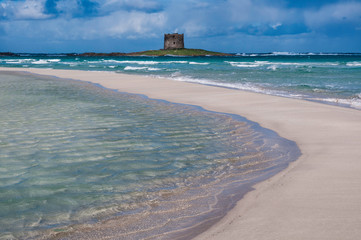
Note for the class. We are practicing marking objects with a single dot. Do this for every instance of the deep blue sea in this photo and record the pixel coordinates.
(73, 154)
(329, 78)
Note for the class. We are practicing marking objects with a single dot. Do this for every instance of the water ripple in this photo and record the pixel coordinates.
(72, 153)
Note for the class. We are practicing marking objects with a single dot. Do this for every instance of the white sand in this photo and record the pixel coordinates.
(317, 197)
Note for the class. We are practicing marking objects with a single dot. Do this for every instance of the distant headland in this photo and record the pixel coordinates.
(162, 52)
(173, 46)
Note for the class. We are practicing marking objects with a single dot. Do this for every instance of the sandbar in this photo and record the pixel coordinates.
(316, 197)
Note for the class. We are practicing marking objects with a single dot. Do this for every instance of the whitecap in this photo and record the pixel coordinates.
(240, 86)
(13, 62)
(272, 67)
(284, 53)
(40, 61)
(130, 68)
(54, 60)
(353, 64)
(183, 62)
(244, 64)
(198, 63)
(17, 61)
(134, 68)
(154, 69)
(353, 102)
(132, 62)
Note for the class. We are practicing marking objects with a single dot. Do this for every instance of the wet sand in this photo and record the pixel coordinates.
(316, 197)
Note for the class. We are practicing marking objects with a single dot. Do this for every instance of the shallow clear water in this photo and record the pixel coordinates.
(329, 78)
(74, 153)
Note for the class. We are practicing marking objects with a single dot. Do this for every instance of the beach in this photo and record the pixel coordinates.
(316, 197)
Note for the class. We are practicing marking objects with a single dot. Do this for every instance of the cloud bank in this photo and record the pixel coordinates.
(224, 25)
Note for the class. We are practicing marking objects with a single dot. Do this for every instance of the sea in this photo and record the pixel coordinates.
(79, 161)
(331, 78)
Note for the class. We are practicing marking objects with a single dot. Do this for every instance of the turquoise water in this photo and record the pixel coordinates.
(328, 78)
(72, 153)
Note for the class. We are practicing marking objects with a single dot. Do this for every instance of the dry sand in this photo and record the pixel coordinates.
(316, 197)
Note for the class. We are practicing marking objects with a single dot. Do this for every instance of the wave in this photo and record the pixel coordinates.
(40, 61)
(199, 63)
(263, 63)
(353, 64)
(354, 102)
(32, 61)
(295, 54)
(245, 64)
(131, 68)
(285, 54)
(240, 86)
(183, 62)
(272, 67)
(131, 62)
(54, 60)
(18, 61)
(142, 62)
(276, 65)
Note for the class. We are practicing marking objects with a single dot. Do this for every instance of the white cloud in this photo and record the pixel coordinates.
(116, 24)
(141, 24)
(275, 26)
(30, 9)
(20, 10)
(119, 24)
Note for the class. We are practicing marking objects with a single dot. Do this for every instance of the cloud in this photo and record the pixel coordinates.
(340, 12)
(20, 10)
(335, 19)
(270, 21)
(30, 9)
(120, 24)
(196, 18)
(44, 9)
(135, 24)
(200, 18)
(82, 19)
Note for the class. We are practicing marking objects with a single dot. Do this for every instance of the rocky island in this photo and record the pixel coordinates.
(173, 46)
(161, 52)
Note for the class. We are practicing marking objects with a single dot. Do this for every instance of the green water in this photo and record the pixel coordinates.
(74, 153)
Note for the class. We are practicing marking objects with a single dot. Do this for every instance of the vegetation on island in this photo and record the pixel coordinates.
(179, 52)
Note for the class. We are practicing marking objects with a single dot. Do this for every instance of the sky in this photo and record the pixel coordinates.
(233, 26)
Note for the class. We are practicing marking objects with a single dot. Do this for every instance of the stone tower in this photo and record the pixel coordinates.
(173, 41)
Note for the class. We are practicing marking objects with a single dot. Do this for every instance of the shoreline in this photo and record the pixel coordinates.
(316, 197)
